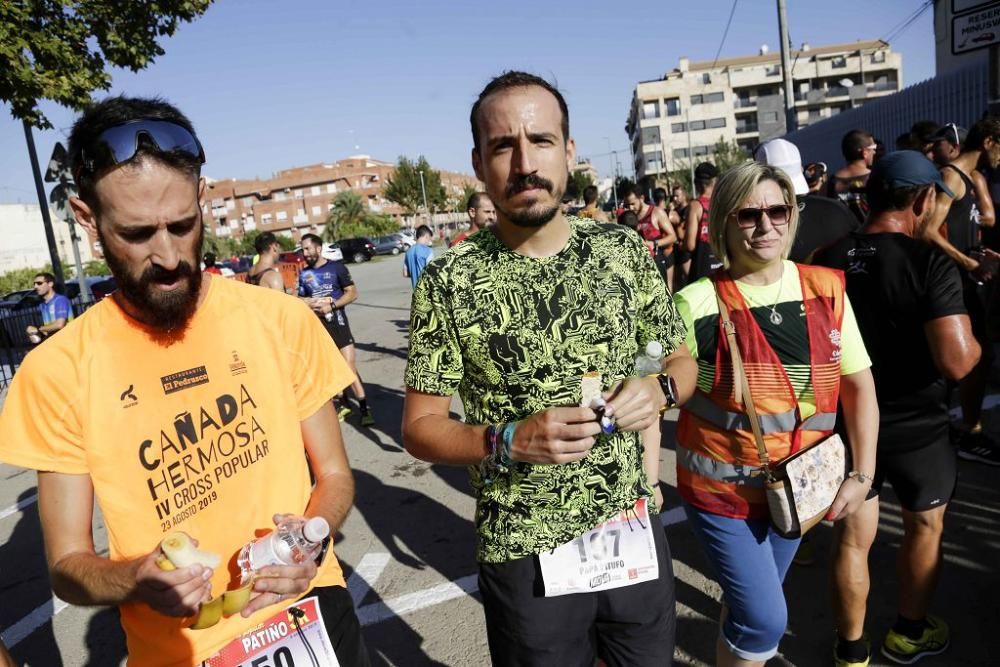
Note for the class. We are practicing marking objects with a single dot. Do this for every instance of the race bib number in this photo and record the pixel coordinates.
(278, 643)
(619, 552)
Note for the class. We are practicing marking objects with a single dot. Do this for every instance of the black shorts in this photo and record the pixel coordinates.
(923, 478)
(340, 329)
(633, 625)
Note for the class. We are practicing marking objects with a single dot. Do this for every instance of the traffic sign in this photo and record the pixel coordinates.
(58, 169)
(976, 30)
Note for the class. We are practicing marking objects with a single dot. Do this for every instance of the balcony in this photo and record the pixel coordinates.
(744, 102)
(883, 86)
(747, 128)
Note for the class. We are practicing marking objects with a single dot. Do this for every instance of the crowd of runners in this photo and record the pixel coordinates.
(780, 304)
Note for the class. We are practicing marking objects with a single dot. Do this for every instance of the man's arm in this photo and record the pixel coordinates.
(669, 236)
(635, 402)
(273, 280)
(934, 232)
(987, 217)
(556, 435)
(954, 349)
(79, 576)
(695, 210)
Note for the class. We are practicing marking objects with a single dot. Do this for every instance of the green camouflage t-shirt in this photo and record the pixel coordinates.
(514, 335)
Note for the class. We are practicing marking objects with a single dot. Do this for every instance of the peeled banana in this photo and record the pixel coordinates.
(179, 551)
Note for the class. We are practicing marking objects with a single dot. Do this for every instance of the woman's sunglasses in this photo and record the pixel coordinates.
(751, 217)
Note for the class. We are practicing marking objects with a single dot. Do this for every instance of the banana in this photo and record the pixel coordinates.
(233, 602)
(182, 552)
(179, 551)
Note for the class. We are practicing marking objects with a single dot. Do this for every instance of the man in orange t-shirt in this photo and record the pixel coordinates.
(183, 403)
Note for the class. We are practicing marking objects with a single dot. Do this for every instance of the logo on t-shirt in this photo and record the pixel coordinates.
(192, 377)
(128, 397)
(237, 367)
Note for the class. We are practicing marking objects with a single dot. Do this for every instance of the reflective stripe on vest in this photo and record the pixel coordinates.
(783, 422)
(731, 473)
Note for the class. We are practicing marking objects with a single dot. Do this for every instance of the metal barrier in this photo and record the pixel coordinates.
(957, 97)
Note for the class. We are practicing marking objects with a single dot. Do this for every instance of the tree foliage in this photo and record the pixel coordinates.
(59, 50)
(725, 156)
(578, 181)
(467, 191)
(403, 186)
(350, 218)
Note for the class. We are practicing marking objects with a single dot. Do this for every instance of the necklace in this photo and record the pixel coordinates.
(775, 316)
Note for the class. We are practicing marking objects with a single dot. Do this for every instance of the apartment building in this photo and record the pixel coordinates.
(680, 117)
(297, 201)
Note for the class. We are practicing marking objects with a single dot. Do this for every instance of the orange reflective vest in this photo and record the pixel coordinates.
(718, 467)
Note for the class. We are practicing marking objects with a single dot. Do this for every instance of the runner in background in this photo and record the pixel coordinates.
(590, 208)
(481, 215)
(696, 241)
(848, 183)
(264, 273)
(55, 309)
(682, 258)
(654, 227)
(665, 258)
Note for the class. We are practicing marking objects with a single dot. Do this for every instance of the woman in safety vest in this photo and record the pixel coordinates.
(802, 352)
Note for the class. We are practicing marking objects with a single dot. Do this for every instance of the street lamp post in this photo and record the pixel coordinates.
(611, 159)
(423, 191)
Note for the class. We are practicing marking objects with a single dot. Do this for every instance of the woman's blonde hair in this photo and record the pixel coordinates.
(735, 187)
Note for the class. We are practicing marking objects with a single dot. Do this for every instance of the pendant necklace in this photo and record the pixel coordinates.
(775, 316)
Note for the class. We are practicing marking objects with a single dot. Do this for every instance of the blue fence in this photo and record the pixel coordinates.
(957, 97)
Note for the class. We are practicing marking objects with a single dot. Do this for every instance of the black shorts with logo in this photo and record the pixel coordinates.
(633, 625)
(339, 328)
(923, 478)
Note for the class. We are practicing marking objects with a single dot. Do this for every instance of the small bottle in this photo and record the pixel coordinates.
(650, 360)
(35, 338)
(293, 542)
(329, 316)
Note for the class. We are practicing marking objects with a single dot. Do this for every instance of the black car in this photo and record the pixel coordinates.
(389, 245)
(357, 250)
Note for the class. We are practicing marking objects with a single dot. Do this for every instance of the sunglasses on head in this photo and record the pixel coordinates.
(751, 217)
(120, 143)
(954, 129)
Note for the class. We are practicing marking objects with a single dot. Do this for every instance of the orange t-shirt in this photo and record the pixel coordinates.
(202, 435)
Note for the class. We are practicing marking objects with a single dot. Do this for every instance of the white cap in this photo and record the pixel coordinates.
(654, 349)
(785, 156)
(316, 529)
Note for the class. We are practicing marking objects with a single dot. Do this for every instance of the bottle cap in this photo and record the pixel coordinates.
(316, 529)
(654, 349)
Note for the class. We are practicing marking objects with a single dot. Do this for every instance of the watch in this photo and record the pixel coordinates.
(669, 387)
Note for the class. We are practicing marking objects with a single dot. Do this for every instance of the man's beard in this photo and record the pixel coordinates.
(164, 311)
(535, 216)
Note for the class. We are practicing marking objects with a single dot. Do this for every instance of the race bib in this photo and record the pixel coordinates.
(619, 552)
(278, 643)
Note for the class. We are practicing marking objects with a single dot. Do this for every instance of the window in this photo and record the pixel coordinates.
(706, 78)
(678, 127)
(279, 196)
(716, 122)
(695, 99)
(331, 188)
(673, 106)
(839, 62)
(230, 204)
(650, 135)
(696, 125)
(653, 165)
(316, 210)
(651, 109)
(298, 194)
(773, 70)
(247, 201)
(714, 97)
(282, 215)
(680, 152)
(770, 116)
(315, 190)
(878, 57)
(700, 150)
(265, 219)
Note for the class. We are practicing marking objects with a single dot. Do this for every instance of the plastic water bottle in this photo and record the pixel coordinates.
(329, 316)
(650, 360)
(293, 542)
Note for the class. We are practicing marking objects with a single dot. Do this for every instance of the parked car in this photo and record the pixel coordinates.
(408, 238)
(292, 257)
(357, 249)
(19, 309)
(389, 245)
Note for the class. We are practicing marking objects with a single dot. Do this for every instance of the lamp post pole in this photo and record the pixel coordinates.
(423, 191)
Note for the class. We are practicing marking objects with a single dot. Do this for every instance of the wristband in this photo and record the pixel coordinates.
(502, 455)
(859, 477)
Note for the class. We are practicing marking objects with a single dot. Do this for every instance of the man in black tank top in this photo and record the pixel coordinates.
(955, 228)
(264, 272)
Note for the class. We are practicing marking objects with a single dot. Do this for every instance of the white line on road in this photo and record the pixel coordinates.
(21, 504)
(365, 575)
(36, 619)
(405, 604)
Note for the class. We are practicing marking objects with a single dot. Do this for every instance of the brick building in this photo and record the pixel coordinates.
(297, 201)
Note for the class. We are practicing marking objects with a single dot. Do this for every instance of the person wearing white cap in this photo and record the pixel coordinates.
(821, 220)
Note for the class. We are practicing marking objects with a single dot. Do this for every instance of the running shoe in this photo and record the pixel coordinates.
(841, 662)
(901, 649)
(343, 412)
(367, 419)
(980, 448)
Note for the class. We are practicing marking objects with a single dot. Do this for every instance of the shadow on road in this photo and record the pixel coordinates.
(387, 406)
(105, 639)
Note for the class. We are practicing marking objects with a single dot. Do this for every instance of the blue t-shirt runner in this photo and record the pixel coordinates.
(416, 260)
(56, 308)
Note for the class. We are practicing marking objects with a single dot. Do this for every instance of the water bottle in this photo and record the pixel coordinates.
(650, 360)
(294, 541)
(329, 316)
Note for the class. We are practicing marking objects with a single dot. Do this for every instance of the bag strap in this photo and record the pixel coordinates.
(741, 384)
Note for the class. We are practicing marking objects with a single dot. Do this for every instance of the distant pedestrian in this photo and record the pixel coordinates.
(948, 144)
(696, 241)
(209, 261)
(481, 215)
(418, 255)
(848, 182)
(590, 208)
(55, 309)
(264, 272)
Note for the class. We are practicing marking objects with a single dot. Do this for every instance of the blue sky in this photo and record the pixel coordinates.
(274, 85)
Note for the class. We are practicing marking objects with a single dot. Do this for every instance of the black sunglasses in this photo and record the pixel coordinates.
(751, 217)
(120, 143)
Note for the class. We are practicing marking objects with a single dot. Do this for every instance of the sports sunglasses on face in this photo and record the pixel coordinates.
(120, 143)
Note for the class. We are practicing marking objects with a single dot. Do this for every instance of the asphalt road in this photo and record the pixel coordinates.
(407, 547)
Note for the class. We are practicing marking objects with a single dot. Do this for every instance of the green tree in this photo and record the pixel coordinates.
(403, 186)
(578, 181)
(58, 50)
(348, 211)
(20, 279)
(467, 191)
(94, 267)
(623, 185)
(728, 154)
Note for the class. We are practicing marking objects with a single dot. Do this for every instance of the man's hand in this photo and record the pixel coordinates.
(276, 583)
(556, 435)
(635, 403)
(850, 498)
(174, 593)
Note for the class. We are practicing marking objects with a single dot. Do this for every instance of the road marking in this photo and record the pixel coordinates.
(365, 575)
(36, 619)
(14, 509)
